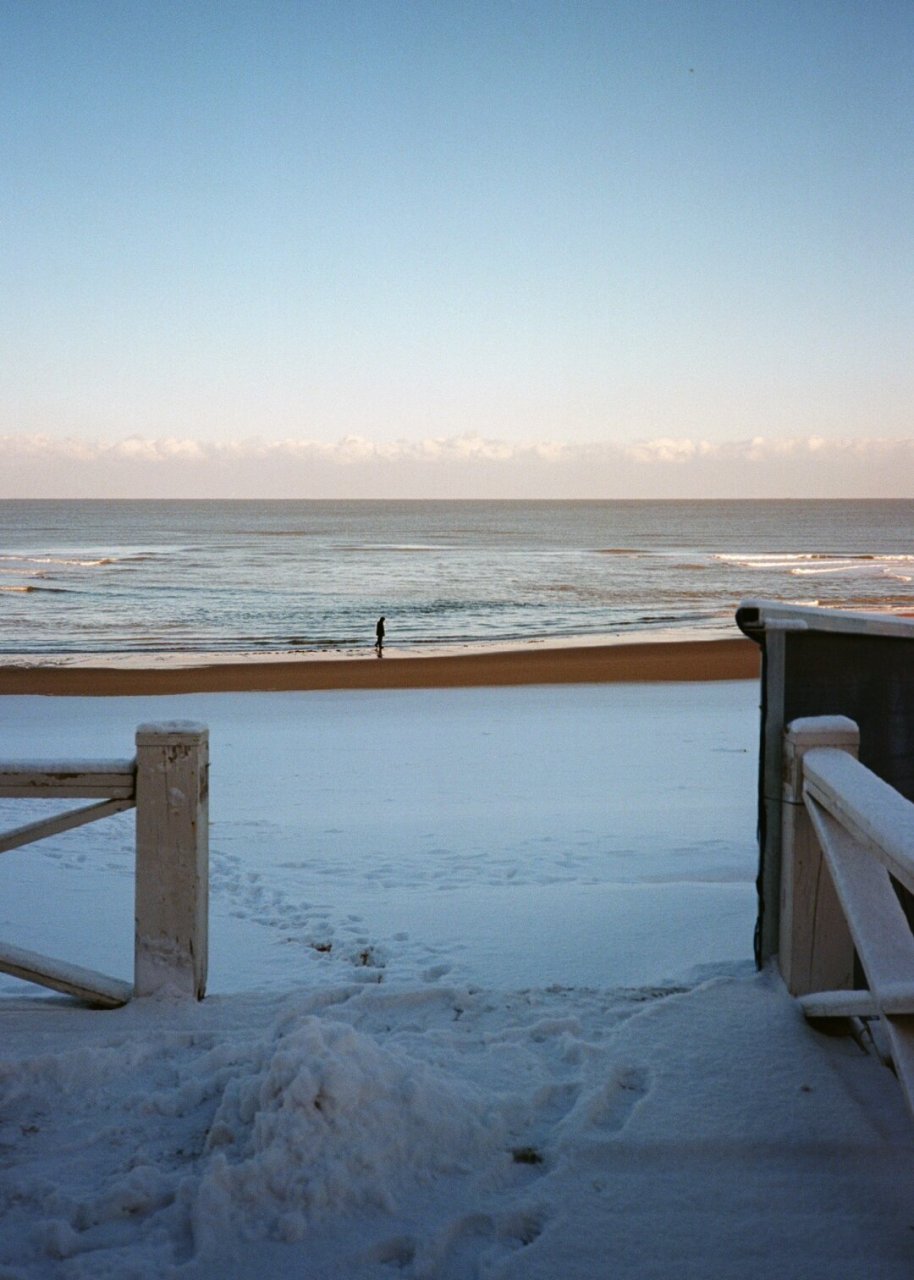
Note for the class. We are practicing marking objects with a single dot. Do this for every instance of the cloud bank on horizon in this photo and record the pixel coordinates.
(483, 249)
(462, 466)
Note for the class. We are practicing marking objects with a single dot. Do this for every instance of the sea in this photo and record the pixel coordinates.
(170, 577)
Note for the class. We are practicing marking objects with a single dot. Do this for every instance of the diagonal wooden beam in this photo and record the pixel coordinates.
(94, 988)
(44, 827)
(881, 934)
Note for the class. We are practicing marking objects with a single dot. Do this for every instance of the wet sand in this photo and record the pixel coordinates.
(648, 662)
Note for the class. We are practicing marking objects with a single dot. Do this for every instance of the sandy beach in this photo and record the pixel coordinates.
(645, 662)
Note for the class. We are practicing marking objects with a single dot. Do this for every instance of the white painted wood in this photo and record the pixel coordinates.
(94, 988)
(809, 733)
(44, 827)
(815, 950)
(114, 779)
(172, 859)
(884, 941)
(878, 815)
(877, 922)
(774, 616)
(896, 999)
(839, 1004)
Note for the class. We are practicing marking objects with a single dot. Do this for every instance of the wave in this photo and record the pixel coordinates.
(884, 570)
(685, 616)
(775, 559)
(405, 547)
(278, 533)
(827, 565)
(869, 604)
(64, 561)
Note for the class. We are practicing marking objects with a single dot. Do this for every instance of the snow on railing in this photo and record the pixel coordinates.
(168, 784)
(846, 835)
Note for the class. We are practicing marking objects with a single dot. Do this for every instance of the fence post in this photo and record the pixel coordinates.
(172, 859)
(815, 950)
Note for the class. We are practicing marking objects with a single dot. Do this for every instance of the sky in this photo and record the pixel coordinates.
(477, 248)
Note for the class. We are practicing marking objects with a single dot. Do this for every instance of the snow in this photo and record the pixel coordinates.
(481, 1005)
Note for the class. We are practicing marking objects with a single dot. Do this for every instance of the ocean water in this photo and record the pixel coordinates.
(240, 576)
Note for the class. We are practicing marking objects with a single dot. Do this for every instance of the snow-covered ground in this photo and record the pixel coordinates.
(596, 835)
(482, 1004)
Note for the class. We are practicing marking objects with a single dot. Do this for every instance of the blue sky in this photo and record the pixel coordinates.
(420, 247)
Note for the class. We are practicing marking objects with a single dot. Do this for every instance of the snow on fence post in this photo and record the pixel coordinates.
(172, 859)
(815, 951)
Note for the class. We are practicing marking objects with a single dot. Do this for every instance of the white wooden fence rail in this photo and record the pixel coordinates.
(846, 835)
(168, 784)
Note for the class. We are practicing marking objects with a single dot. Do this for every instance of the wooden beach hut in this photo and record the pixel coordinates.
(822, 662)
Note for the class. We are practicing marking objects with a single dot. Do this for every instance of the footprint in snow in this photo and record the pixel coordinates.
(468, 1246)
(610, 1108)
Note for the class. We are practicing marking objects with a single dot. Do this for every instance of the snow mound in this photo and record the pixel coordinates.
(328, 1120)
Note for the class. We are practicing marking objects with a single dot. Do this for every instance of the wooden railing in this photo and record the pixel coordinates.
(167, 782)
(846, 836)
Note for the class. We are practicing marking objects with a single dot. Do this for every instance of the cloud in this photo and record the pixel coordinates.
(467, 465)
(664, 450)
(350, 449)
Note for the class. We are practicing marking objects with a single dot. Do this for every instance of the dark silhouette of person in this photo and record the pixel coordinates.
(379, 634)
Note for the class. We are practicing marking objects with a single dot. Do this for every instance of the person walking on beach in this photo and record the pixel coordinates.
(379, 636)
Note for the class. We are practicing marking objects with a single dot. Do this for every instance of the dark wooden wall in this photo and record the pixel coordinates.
(806, 672)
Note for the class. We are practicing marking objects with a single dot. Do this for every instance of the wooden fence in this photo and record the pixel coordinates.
(168, 783)
(847, 844)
